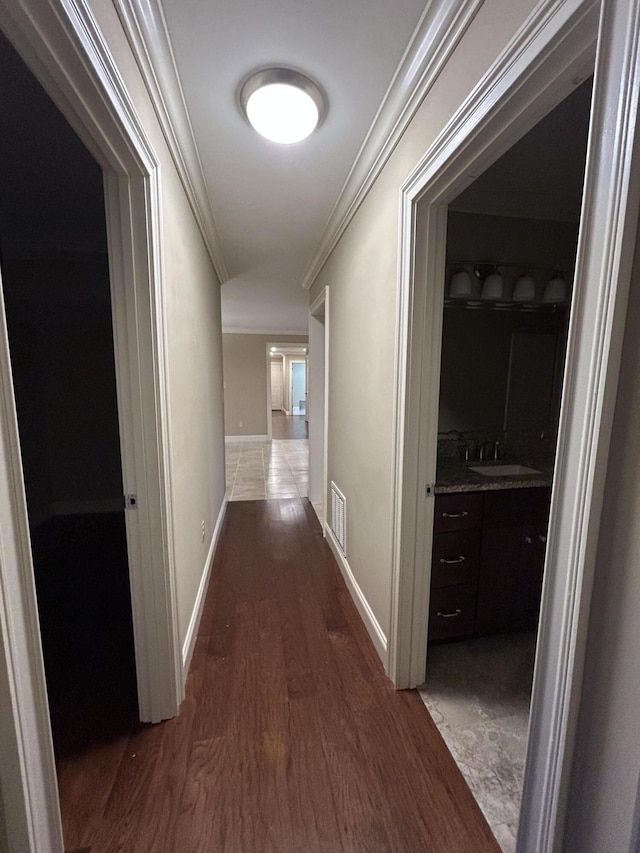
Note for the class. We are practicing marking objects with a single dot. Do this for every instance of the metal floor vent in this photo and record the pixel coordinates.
(339, 517)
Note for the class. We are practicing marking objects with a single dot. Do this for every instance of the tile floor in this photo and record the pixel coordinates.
(267, 469)
(478, 693)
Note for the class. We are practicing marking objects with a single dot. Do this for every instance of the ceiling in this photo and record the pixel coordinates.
(271, 203)
(269, 212)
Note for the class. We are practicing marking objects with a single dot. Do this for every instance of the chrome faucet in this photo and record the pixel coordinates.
(490, 450)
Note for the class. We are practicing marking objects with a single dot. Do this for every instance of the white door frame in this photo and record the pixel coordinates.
(318, 395)
(549, 56)
(62, 44)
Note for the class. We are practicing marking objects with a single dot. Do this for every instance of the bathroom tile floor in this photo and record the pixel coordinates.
(267, 469)
(478, 693)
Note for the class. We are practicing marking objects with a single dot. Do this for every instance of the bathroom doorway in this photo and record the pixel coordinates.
(298, 388)
(511, 249)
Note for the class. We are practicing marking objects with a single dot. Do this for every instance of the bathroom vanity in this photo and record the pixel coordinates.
(488, 557)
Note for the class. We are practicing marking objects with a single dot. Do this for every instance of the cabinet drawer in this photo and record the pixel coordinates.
(451, 612)
(458, 511)
(455, 558)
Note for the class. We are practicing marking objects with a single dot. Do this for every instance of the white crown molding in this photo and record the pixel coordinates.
(440, 29)
(146, 29)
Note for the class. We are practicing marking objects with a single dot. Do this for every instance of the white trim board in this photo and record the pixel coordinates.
(28, 783)
(237, 438)
(549, 56)
(318, 414)
(145, 26)
(364, 609)
(438, 32)
(194, 623)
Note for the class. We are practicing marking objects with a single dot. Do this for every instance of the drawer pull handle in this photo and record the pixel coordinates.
(462, 514)
(459, 559)
(450, 615)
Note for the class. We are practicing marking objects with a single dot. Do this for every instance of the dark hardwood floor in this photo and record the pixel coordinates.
(288, 426)
(290, 738)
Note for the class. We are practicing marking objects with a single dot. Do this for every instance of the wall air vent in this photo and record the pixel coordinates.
(339, 517)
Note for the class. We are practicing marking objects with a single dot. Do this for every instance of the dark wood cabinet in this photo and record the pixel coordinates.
(487, 562)
(452, 612)
(514, 535)
(457, 511)
(455, 558)
(454, 566)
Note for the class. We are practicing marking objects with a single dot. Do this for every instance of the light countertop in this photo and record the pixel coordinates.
(453, 475)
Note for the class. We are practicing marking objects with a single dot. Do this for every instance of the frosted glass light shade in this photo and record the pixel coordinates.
(282, 105)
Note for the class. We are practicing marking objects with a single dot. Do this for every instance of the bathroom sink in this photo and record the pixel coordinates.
(503, 470)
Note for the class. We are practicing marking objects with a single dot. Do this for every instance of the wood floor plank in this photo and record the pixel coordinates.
(159, 812)
(312, 799)
(86, 781)
(291, 737)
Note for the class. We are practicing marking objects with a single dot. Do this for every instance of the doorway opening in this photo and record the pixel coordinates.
(55, 275)
(530, 84)
(510, 258)
(286, 391)
(91, 97)
(298, 387)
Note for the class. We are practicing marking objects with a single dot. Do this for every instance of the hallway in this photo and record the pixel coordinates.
(267, 469)
(290, 739)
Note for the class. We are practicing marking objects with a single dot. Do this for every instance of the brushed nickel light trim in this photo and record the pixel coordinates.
(278, 79)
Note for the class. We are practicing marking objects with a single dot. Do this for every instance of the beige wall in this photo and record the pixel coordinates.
(604, 786)
(362, 273)
(245, 381)
(4, 843)
(194, 344)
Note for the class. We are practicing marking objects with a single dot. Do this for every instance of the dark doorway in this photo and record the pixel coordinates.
(55, 277)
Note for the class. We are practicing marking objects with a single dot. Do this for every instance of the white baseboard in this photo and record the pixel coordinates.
(319, 511)
(194, 622)
(368, 617)
(246, 438)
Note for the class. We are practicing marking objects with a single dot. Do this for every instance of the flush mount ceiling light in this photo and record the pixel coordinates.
(282, 104)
